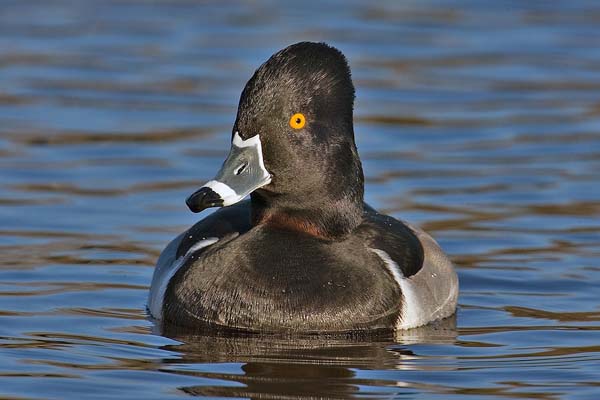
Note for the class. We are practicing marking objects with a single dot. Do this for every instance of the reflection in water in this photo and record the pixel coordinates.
(307, 366)
(478, 121)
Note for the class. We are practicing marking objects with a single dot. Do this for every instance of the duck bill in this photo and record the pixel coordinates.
(242, 173)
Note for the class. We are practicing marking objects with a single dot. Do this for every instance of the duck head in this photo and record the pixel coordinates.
(292, 145)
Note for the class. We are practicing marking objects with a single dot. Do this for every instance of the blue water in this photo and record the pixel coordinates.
(478, 121)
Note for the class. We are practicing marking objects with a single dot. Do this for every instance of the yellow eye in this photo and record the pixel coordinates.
(297, 121)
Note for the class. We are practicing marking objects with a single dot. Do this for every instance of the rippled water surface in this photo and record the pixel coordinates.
(479, 121)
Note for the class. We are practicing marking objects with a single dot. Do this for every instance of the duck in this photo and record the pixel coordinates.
(305, 253)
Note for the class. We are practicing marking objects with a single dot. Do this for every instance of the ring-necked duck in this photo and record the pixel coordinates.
(305, 253)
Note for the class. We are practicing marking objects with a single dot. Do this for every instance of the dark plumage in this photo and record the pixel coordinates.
(305, 253)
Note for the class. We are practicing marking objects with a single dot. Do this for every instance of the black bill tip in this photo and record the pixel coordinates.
(202, 199)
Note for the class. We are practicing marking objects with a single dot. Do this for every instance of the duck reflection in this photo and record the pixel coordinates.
(307, 366)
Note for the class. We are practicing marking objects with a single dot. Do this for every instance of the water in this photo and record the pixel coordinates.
(479, 121)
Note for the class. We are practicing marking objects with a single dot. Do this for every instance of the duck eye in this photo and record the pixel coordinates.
(297, 121)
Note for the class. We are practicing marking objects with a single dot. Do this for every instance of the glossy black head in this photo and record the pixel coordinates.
(299, 105)
(311, 79)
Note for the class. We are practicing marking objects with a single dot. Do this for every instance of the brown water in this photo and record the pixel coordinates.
(479, 121)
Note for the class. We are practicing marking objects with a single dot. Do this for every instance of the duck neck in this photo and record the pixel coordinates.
(327, 218)
(320, 195)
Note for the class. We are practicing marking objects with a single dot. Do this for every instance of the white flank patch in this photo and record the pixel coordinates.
(155, 303)
(412, 315)
(228, 195)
